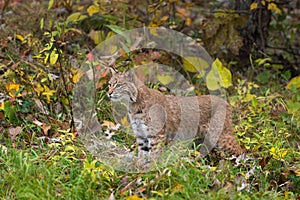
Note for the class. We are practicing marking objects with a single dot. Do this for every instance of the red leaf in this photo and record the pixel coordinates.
(90, 57)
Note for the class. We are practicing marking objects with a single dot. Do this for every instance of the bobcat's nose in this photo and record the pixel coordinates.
(110, 92)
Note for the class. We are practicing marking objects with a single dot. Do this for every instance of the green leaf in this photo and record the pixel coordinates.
(195, 64)
(264, 77)
(293, 107)
(225, 73)
(261, 61)
(213, 81)
(50, 4)
(116, 29)
(165, 79)
(119, 30)
(74, 17)
(98, 36)
(70, 148)
(219, 76)
(53, 57)
(294, 83)
(42, 23)
(10, 112)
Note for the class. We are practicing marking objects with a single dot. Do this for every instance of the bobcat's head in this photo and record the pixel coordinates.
(122, 86)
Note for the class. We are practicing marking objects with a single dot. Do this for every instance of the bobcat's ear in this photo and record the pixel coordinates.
(112, 70)
(129, 75)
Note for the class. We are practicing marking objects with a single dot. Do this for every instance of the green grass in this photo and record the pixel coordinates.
(67, 171)
(32, 168)
(32, 174)
(28, 175)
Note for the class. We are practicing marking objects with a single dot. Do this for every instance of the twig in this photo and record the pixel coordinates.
(291, 50)
(260, 26)
(232, 12)
(72, 125)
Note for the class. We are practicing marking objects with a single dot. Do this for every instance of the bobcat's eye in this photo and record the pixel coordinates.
(118, 85)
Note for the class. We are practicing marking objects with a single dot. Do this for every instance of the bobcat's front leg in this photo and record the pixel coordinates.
(143, 140)
(150, 134)
(149, 148)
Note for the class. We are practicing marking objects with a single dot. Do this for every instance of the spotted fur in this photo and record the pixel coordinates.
(157, 119)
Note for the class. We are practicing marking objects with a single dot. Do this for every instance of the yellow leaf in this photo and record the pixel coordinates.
(12, 86)
(273, 7)
(13, 89)
(38, 88)
(213, 169)
(76, 17)
(46, 57)
(20, 37)
(1, 106)
(48, 93)
(219, 76)
(188, 21)
(297, 172)
(224, 73)
(272, 151)
(213, 81)
(77, 75)
(70, 148)
(80, 8)
(134, 197)
(253, 6)
(165, 79)
(153, 29)
(278, 154)
(178, 187)
(294, 83)
(113, 49)
(283, 153)
(164, 18)
(3, 149)
(53, 57)
(157, 193)
(195, 64)
(248, 97)
(124, 121)
(110, 34)
(92, 9)
(197, 154)
(97, 36)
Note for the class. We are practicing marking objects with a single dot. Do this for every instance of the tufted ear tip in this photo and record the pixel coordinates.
(112, 70)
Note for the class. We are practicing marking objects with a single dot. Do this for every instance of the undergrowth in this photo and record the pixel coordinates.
(43, 157)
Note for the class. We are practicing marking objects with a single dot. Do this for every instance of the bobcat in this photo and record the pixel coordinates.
(159, 119)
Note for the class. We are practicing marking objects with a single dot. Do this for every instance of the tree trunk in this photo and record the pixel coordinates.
(255, 32)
